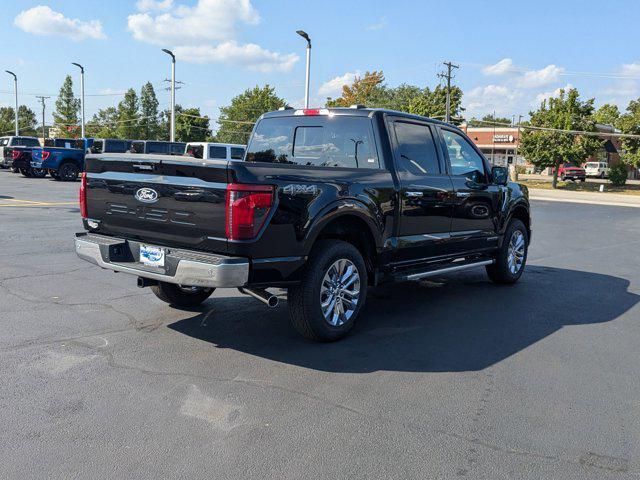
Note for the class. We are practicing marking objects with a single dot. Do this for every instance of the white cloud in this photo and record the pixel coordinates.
(631, 69)
(490, 98)
(539, 78)
(502, 67)
(149, 5)
(250, 55)
(547, 95)
(382, 23)
(41, 20)
(334, 86)
(207, 20)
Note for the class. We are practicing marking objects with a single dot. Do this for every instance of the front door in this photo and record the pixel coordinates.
(476, 200)
(425, 190)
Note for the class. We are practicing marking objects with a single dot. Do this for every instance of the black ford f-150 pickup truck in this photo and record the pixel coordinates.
(326, 203)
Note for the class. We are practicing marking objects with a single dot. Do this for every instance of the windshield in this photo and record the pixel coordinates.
(591, 165)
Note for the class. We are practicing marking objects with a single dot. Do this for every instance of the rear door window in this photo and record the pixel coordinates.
(416, 149)
(321, 141)
(237, 153)
(217, 152)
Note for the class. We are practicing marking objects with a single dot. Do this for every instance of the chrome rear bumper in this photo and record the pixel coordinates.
(182, 267)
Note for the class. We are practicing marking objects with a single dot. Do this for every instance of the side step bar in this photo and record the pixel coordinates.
(454, 268)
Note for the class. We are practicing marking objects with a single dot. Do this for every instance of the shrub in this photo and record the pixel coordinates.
(618, 174)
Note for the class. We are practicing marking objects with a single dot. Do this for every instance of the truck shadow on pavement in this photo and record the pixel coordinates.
(452, 324)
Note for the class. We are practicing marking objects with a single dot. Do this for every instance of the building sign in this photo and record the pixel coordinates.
(503, 138)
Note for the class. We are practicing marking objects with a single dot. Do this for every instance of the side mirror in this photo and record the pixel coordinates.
(500, 175)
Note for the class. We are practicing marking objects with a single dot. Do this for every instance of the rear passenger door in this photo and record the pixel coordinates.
(425, 190)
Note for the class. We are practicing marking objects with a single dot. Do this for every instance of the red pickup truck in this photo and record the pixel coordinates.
(566, 171)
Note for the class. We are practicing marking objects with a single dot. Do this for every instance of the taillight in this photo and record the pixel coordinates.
(247, 209)
(45, 154)
(83, 195)
(15, 154)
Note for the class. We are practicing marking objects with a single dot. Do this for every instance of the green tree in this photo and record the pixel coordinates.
(26, 121)
(546, 148)
(629, 123)
(128, 116)
(433, 103)
(489, 120)
(607, 114)
(191, 126)
(236, 120)
(103, 124)
(67, 107)
(149, 123)
(368, 90)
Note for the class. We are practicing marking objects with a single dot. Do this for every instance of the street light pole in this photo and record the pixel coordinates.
(15, 90)
(81, 95)
(304, 35)
(172, 136)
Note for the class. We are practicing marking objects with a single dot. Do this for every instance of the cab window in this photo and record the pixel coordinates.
(237, 153)
(416, 148)
(195, 151)
(463, 158)
(218, 152)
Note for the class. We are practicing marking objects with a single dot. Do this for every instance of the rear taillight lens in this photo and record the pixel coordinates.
(83, 195)
(247, 209)
(45, 154)
(15, 154)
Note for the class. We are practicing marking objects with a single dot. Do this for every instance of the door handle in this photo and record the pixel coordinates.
(414, 194)
(463, 194)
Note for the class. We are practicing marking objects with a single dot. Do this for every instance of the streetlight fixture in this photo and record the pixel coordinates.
(173, 94)
(15, 90)
(304, 35)
(81, 95)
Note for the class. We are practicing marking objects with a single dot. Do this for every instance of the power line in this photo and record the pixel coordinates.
(559, 130)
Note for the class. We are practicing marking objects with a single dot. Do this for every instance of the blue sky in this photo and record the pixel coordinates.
(511, 54)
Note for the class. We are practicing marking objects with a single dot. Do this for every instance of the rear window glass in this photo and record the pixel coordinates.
(96, 147)
(218, 152)
(322, 141)
(31, 142)
(237, 153)
(195, 151)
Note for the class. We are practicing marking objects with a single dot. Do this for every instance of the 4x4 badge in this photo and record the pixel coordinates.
(300, 189)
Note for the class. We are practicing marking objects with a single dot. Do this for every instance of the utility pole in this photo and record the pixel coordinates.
(42, 100)
(81, 95)
(172, 135)
(15, 91)
(450, 67)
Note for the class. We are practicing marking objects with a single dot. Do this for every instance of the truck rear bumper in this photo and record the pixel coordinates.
(182, 267)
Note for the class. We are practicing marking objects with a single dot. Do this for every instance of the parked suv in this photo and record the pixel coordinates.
(596, 169)
(326, 203)
(215, 151)
(7, 160)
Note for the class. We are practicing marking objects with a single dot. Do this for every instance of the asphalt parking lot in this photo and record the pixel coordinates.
(451, 378)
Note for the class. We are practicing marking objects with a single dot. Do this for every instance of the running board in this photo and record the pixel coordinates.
(455, 268)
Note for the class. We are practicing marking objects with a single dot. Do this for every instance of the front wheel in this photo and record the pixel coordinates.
(25, 172)
(38, 173)
(181, 296)
(512, 255)
(327, 303)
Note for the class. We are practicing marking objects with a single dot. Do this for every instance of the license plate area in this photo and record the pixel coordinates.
(152, 256)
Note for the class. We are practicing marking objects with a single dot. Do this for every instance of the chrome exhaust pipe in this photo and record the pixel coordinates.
(261, 294)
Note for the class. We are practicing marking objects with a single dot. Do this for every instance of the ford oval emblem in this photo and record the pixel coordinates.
(146, 195)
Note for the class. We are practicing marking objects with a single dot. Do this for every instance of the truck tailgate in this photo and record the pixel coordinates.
(158, 199)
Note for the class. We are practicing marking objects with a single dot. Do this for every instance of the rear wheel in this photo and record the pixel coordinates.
(68, 172)
(25, 172)
(512, 256)
(181, 296)
(14, 170)
(327, 303)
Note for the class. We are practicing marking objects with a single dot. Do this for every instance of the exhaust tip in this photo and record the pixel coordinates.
(261, 294)
(273, 301)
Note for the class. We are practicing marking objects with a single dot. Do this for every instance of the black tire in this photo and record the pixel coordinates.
(583, 180)
(26, 172)
(562, 178)
(602, 175)
(181, 296)
(15, 170)
(68, 172)
(305, 310)
(500, 272)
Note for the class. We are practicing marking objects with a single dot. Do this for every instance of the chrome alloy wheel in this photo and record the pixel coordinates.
(516, 252)
(340, 292)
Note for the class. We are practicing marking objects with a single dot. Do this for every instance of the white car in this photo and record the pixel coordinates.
(596, 169)
(215, 151)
